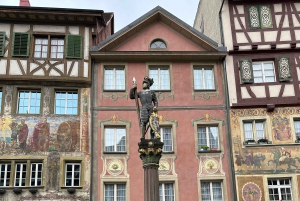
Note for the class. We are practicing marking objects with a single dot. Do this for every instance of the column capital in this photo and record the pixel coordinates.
(150, 152)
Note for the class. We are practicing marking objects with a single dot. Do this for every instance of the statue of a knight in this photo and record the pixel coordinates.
(148, 111)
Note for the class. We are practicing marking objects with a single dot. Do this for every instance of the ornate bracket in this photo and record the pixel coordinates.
(207, 117)
(115, 119)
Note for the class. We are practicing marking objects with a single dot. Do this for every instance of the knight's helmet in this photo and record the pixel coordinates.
(149, 81)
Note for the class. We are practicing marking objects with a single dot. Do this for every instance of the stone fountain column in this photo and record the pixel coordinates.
(150, 152)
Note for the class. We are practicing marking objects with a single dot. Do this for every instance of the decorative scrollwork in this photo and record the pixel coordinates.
(206, 96)
(114, 96)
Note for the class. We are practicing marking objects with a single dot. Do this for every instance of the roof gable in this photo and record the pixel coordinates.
(196, 40)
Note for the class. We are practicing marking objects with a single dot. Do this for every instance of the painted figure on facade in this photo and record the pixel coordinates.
(148, 111)
(40, 137)
(14, 133)
(22, 133)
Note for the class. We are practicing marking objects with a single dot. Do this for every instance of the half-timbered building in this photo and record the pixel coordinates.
(263, 40)
(45, 80)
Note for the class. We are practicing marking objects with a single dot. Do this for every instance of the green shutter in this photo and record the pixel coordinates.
(254, 17)
(246, 71)
(74, 46)
(284, 68)
(2, 43)
(265, 16)
(21, 42)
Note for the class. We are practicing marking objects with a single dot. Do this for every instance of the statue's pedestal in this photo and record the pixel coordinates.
(150, 152)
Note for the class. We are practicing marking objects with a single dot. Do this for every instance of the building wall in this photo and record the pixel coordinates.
(207, 19)
(48, 138)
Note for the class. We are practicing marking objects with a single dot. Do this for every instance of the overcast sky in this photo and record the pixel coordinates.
(126, 11)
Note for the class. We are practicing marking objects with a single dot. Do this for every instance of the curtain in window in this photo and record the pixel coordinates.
(205, 191)
(109, 139)
(198, 83)
(169, 192)
(260, 130)
(108, 79)
(248, 131)
(257, 72)
(213, 137)
(269, 72)
(202, 140)
(120, 79)
(297, 128)
(153, 73)
(164, 79)
(209, 79)
(109, 192)
(167, 139)
(121, 192)
(217, 191)
(121, 139)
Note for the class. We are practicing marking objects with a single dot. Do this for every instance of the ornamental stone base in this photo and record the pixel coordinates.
(150, 152)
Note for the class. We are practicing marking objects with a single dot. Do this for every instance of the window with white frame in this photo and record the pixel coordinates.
(114, 192)
(66, 102)
(254, 130)
(280, 189)
(73, 171)
(211, 191)
(42, 45)
(263, 71)
(114, 78)
(166, 192)
(167, 138)
(5, 170)
(204, 79)
(36, 174)
(161, 78)
(208, 136)
(115, 139)
(297, 128)
(29, 102)
(20, 174)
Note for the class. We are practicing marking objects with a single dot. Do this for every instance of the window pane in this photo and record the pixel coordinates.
(213, 137)
(167, 139)
(248, 131)
(202, 140)
(114, 79)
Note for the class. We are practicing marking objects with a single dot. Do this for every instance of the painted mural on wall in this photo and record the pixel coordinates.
(38, 134)
(251, 192)
(266, 159)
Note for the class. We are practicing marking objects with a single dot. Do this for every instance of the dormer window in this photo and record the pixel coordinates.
(158, 44)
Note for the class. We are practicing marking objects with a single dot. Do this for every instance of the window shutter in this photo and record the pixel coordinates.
(2, 43)
(21, 43)
(246, 70)
(253, 14)
(284, 68)
(265, 16)
(74, 46)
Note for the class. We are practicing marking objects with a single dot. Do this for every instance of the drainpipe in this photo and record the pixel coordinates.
(231, 161)
(92, 132)
(221, 25)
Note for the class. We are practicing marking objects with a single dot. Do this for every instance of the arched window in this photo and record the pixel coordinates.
(158, 44)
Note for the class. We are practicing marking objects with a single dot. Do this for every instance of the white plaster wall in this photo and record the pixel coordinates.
(237, 24)
(244, 93)
(285, 22)
(49, 28)
(298, 73)
(74, 72)
(285, 36)
(274, 90)
(33, 66)
(40, 72)
(231, 80)
(278, 7)
(263, 47)
(277, 18)
(21, 28)
(297, 5)
(255, 36)
(243, 21)
(54, 73)
(86, 42)
(270, 36)
(288, 90)
(259, 91)
(14, 68)
(281, 46)
(245, 47)
(297, 34)
(3, 64)
(69, 63)
(24, 65)
(240, 9)
(73, 30)
(86, 69)
(60, 67)
(241, 38)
